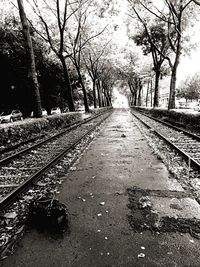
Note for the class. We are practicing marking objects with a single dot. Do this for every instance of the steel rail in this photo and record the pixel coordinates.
(173, 126)
(69, 128)
(14, 194)
(191, 160)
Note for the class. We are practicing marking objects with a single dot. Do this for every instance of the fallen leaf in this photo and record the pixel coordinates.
(11, 215)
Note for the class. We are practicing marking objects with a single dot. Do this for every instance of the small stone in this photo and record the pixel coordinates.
(83, 199)
(106, 238)
(141, 255)
(143, 248)
(99, 214)
(98, 231)
(108, 253)
(191, 240)
(102, 203)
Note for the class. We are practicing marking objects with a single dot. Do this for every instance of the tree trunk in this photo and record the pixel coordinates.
(94, 94)
(85, 99)
(108, 104)
(151, 88)
(156, 89)
(135, 99)
(99, 93)
(68, 92)
(139, 94)
(147, 95)
(32, 75)
(172, 94)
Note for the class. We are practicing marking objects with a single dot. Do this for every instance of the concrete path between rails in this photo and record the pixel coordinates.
(116, 173)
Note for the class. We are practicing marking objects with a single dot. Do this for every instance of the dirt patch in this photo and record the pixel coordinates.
(144, 217)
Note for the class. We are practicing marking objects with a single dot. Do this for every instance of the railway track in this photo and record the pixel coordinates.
(184, 142)
(18, 171)
(29, 143)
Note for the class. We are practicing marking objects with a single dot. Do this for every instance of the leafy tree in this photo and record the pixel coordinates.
(13, 62)
(152, 40)
(53, 32)
(175, 15)
(189, 88)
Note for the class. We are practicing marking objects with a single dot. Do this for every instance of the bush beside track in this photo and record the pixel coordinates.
(20, 131)
(180, 119)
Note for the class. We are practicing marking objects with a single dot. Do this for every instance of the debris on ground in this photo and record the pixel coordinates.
(47, 214)
(141, 255)
(11, 215)
(142, 217)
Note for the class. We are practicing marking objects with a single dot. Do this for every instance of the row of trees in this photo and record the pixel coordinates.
(62, 49)
(162, 35)
(70, 41)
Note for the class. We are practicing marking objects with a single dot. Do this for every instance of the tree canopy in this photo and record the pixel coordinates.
(83, 48)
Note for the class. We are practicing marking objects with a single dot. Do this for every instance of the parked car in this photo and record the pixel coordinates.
(197, 107)
(14, 115)
(80, 108)
(55, 110)
(44, 112)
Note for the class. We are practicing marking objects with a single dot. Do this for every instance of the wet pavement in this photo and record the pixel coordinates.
(116, 186)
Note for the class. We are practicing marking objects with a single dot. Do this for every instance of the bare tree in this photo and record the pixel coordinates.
(32, 75)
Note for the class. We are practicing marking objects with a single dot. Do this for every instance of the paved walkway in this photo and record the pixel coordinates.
(118, 159)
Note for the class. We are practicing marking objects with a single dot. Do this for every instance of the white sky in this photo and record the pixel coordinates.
(119, 100)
